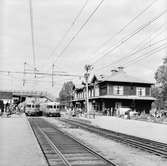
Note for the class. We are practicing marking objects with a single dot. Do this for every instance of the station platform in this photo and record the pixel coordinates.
(18, 145)
(148, 130)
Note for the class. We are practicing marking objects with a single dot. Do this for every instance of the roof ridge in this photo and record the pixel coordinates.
(122, 76)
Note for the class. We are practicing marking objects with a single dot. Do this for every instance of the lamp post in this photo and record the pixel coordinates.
(86, 75)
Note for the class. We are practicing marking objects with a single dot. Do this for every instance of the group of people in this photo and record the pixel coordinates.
(8, 108)
(119, 112)
(111, 111)
(4, 107)
(157, 113)
(73, 111)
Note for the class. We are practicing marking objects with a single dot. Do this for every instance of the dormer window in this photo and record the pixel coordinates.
(140, 91)
(118, 90)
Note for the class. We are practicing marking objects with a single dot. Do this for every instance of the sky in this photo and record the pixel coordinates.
(51, 20)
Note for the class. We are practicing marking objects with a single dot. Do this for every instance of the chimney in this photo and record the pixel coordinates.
(101, 76)
(113, 71)
(120, 68)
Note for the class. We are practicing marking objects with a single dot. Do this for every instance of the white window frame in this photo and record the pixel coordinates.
(96, 90)
(118, 90)
(140, 91)
(75, 95)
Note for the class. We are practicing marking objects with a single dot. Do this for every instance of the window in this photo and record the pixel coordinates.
(49, 106)
(28, 105)
(103, 90)
(118, 90)
(37, 106)
(84, 94)
(96, 91)
(90, 92)
(140, 91)
(75, 95)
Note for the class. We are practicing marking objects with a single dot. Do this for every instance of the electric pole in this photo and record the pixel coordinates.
(52, 74)
(24, 79)
(86, 75)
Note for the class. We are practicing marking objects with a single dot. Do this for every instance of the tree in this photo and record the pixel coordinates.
(66, 93)
(157, 93)
(161, 79)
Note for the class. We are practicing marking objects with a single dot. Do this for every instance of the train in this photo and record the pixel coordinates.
(50, 109)
(33, 109)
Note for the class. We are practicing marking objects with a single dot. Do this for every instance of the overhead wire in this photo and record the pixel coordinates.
(40, 73)
(145, 55)
(148, 45)
(76, 34)
(122, 41)
(68, 30)
(31, 80)
(126, 25)
(32, 35)
(137, 59)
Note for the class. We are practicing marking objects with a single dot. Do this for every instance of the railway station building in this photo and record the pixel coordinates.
(117, 90)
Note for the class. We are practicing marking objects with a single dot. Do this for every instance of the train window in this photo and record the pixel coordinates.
(28, 105)
(58, 106)
(49, 106)
(36, 106)
(55, 106)
(32, 106)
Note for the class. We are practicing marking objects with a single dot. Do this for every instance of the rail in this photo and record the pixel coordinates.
(61, 149)
(151, 146)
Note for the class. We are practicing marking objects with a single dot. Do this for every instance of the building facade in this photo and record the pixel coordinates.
(117, 90)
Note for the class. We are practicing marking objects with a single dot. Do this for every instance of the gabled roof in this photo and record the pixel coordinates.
(79, 86)
(97, 78)
(121, 76)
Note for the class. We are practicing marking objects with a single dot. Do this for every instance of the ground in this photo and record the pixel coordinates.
(18, 145)
(121, 154)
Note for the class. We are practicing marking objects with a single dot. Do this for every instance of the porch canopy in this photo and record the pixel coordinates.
(124, 97)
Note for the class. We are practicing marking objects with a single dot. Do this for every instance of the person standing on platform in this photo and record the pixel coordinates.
(1, 107)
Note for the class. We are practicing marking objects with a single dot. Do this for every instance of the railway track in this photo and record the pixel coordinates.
(62, 150)
(150, 146)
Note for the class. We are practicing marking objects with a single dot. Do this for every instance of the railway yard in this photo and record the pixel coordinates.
(83, 83)
(73, 141)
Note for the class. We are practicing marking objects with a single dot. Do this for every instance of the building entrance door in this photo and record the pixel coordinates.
(117, 108)
(118, 105)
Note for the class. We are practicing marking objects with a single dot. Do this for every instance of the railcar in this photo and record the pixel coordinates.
(50, 109)
(32, 109)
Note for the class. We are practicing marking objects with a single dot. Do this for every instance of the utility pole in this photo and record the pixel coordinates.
(86, 75)
(52, 75)
(24, 80)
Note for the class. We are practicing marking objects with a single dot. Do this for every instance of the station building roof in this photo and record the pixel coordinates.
(120, 76)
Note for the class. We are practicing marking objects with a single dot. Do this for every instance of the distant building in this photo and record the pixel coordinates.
(115, 90)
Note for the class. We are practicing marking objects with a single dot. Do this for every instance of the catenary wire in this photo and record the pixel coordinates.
(32, 34)
(126, 25)
(67, 31)
(145, 55)
(139, 58)
(121, 42)
(76, 34)
(131, 54)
